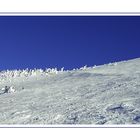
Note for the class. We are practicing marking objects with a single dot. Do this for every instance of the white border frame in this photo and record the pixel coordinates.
(70, 14)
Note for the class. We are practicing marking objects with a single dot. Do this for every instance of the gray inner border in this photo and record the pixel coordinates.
(70, 13)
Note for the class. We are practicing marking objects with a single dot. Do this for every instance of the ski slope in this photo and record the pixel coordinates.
(100, 95)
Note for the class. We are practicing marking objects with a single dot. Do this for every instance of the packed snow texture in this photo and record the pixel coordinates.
(107, 94)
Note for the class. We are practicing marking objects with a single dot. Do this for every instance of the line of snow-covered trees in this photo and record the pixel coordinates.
(33, 72)
(28, 72)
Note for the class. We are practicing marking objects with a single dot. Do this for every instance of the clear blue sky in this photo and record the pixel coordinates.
(69, 42)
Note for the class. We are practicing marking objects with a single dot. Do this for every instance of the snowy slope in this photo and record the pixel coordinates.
(107, 94)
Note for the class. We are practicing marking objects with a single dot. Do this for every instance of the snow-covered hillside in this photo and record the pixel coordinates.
(107, 94)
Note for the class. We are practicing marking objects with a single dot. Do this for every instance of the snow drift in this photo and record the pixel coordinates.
(107, 94)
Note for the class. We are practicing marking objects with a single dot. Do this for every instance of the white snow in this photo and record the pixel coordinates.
(107, 94)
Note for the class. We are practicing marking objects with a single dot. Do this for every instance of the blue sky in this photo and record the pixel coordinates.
(69, 42)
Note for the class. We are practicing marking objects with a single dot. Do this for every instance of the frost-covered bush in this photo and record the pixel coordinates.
(83, 68)
(62, 69)
(8, 89)
(112, 64)
(53, 70)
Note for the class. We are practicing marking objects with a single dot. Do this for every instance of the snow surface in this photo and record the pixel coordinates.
(107, 94)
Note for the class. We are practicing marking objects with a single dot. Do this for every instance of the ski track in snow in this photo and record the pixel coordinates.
(107, 94)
